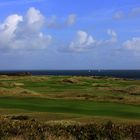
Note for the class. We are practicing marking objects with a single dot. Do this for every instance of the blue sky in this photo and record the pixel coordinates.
(76, 34)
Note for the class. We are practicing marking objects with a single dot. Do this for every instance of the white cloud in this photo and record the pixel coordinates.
(133, 44)
(113, 36)
(84, 41)
(24, 32)
(8, 27)
(71, 19)
(119, 15)
(34, 16)
(132, 13)
(53, 22)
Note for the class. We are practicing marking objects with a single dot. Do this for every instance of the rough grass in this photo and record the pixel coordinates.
(18, 92)
(34, 130)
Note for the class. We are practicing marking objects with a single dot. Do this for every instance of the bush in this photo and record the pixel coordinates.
(34, 130)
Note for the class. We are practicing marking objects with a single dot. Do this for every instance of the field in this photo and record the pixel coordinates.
(84, 100)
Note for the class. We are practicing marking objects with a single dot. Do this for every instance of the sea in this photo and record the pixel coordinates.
(129, 74)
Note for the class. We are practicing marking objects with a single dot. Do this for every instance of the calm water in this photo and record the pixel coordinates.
(133, 74)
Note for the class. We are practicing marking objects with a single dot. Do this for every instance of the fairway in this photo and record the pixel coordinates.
(82, 108)
(72, 96)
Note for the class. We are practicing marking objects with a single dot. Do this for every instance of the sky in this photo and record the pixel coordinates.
(75, 34)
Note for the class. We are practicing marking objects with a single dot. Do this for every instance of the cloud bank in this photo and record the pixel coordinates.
(132, 44)
(84, 41)
(24, 32)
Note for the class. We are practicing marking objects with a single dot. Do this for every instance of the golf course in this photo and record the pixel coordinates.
(80, 99)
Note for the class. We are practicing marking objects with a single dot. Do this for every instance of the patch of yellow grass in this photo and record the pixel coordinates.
(17, 91)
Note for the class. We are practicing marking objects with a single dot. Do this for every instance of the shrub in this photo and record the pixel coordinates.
(33, 130)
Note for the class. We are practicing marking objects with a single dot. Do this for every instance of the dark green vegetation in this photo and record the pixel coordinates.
(78, 99)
